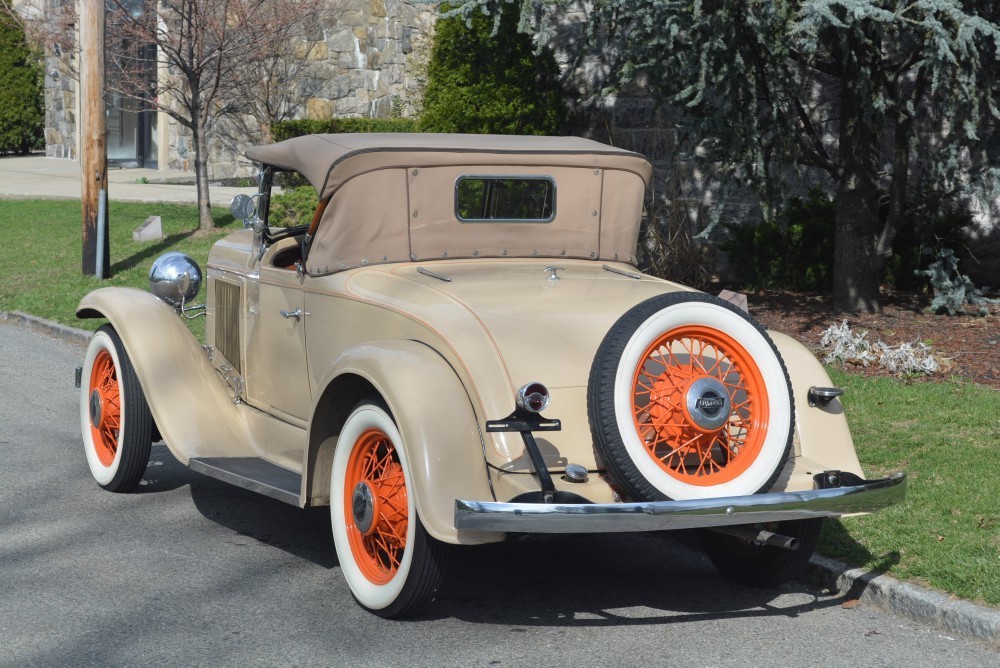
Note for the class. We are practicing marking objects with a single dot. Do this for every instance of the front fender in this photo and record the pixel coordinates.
(194, 411)
(436, 419)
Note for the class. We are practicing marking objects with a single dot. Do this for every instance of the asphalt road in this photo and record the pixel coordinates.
(191, 571)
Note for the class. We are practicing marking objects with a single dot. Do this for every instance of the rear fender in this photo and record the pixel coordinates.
(823, 437)
(193, 409)
(435, 417)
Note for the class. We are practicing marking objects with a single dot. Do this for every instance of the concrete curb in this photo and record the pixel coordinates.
(920, 604)
(47, 326)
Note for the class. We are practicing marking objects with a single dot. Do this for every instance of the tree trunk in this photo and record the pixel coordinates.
(898, 187)
(856, 263)
(205, 221)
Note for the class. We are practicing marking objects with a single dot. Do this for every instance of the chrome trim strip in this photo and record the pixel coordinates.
(621, 272)
(434, 274)
(667, 515)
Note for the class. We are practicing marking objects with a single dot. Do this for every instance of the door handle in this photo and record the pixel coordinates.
(297, 313)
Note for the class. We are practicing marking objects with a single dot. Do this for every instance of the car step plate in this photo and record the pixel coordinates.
(252, 473)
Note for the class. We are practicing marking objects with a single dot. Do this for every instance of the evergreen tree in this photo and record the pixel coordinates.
(22, 119)
(484, 77)
(851, 87)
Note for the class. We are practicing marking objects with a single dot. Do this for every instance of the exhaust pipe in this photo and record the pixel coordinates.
(760, 537)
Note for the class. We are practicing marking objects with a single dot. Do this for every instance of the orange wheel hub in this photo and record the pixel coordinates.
(105, 407)
(375, 506)
(699, 405)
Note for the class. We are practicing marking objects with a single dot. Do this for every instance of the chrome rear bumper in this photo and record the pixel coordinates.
(868, 496)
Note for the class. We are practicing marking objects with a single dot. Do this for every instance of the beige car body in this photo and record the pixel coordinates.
(375, 315)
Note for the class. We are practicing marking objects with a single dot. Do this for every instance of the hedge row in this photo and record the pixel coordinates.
(288, 129)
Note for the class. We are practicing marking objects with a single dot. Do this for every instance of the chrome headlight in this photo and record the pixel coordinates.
(175, 278)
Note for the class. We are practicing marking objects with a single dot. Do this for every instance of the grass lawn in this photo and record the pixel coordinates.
(946, 435)
(41, 257)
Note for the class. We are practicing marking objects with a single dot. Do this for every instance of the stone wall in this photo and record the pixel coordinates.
(61, 86)
(368, 58)
(370, 62)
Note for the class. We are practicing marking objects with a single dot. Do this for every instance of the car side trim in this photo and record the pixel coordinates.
(869, 495)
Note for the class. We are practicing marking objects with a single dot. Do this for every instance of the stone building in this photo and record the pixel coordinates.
(369, 61)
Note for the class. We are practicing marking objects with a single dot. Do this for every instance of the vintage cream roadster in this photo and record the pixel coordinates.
(458, 348)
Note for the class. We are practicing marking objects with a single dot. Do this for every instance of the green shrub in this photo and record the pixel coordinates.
(22, 116)
(294, 206)
(288, 129)
(953, 290)
(495, 84)
(793, 254)
(921, 239)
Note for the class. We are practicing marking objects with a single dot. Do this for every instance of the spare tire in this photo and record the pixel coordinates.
(688, 398)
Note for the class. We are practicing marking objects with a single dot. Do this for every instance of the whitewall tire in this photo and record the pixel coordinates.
(688, 399)
(115, 420)
(392, 566)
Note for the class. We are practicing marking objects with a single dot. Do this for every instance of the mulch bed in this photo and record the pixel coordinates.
(967, 346)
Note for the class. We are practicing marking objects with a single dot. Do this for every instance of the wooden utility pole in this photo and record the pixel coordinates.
(93, 145)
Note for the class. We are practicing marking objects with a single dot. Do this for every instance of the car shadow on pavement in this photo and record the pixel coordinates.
(304, 533)
(163, 473)
(605, 580)
(570, 580)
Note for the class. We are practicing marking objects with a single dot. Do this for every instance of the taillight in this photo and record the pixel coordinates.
(533, 397)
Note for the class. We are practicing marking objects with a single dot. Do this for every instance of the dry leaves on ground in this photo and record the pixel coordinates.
(967, 346)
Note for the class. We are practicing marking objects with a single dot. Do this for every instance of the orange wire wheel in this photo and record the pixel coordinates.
(115, 420)
(688, 398)
(699, 405)
(105, 407)
(391, 564)
(375, 506)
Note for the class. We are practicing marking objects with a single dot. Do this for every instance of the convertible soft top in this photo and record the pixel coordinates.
(327, 161)
(392, 196)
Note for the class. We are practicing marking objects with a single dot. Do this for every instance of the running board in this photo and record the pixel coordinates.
(252, 473)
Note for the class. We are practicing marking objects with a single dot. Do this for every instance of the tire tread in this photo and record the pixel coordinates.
(610, 449)
(137, 428)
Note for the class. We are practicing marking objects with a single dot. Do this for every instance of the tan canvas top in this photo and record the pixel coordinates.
(328, 161)
(393, 197)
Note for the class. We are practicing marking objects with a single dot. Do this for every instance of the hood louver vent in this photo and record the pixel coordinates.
(227, 323)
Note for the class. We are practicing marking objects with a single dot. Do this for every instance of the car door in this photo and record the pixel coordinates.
(279, 383)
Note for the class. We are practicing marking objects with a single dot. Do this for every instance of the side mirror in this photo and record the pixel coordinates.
(243, 208)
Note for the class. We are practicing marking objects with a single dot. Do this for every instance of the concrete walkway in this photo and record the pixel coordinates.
(34, 177)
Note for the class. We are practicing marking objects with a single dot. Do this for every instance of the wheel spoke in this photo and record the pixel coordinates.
(104, 384)
(375, 463)
(692, 453)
